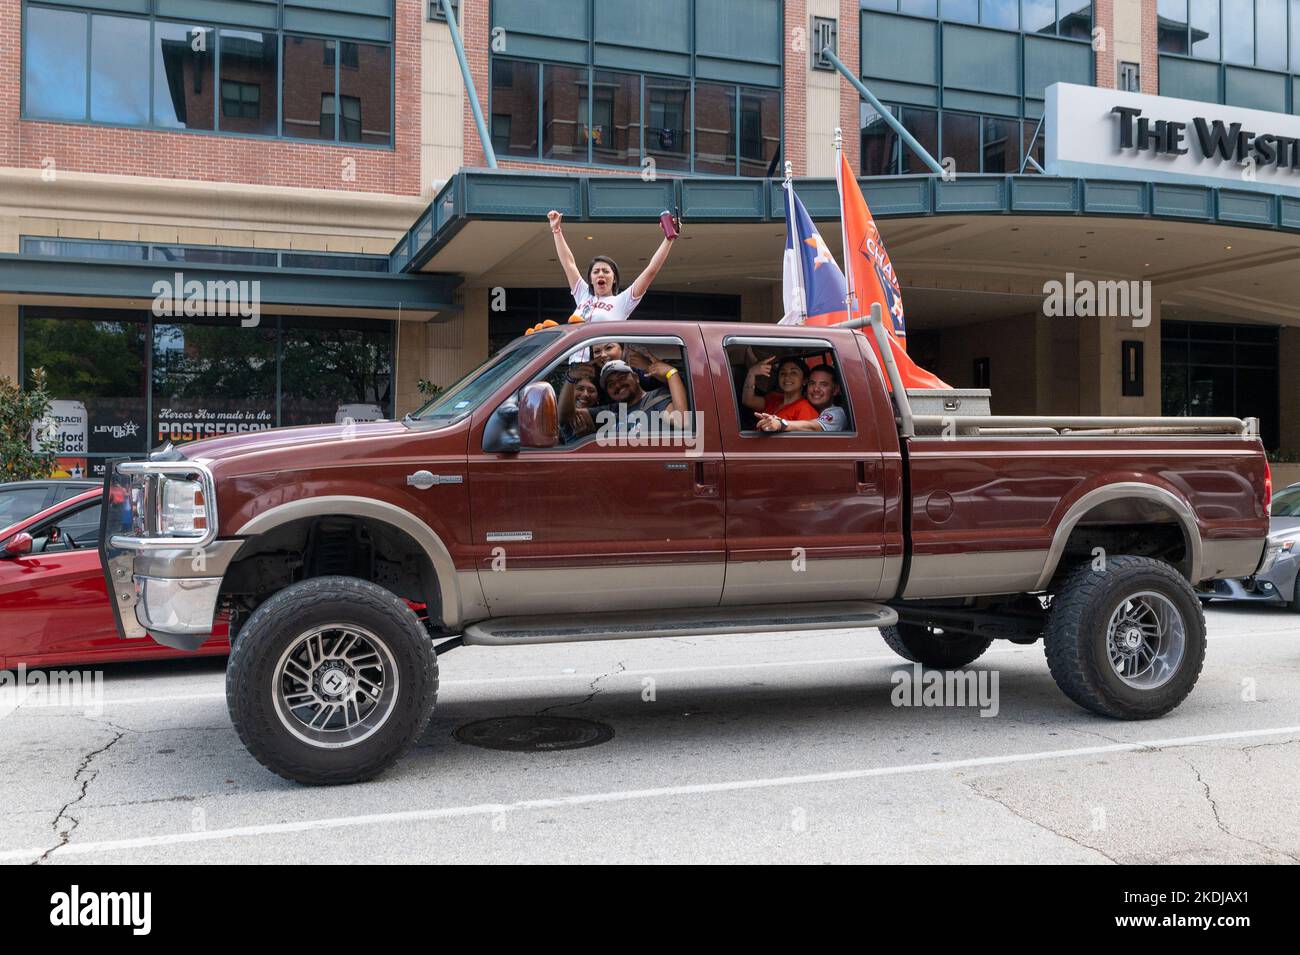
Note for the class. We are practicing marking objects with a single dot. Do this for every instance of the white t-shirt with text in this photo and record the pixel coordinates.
(603, 308)
(833, 418)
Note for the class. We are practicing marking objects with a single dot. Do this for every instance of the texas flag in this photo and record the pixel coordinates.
(813, 285)
(874, 279)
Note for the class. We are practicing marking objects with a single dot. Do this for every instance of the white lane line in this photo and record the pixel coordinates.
(543, 677)
(625, 795)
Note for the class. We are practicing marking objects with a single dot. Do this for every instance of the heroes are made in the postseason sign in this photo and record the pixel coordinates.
(1109, 134)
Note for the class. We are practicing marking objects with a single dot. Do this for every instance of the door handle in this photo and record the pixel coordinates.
(865, 485)
(706, 478)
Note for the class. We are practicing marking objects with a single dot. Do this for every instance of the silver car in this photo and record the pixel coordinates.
(1277, 583)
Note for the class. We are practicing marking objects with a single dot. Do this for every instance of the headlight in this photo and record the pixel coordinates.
(1287, 549)
(182, 511)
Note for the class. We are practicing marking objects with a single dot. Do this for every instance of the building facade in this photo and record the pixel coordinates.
(316, 164)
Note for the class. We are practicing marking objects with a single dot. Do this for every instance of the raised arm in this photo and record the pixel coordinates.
(670, 376)
(748, 398)
(562, 250)
(642, 283)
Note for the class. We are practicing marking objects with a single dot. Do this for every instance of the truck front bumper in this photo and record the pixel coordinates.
(177, 609)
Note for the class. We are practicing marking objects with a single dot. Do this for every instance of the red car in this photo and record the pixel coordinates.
(54, 607)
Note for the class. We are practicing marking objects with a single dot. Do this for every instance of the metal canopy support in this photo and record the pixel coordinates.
(885, 114)
(477, 110)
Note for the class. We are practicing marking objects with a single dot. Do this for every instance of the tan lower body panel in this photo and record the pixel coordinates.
(592, 589)
(1237, 558)
(775, 581)
(975, 574)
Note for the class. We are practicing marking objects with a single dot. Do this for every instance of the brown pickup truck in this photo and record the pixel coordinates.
(346, 558)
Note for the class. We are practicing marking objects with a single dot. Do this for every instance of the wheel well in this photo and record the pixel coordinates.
(328, 545)
(1137, 526)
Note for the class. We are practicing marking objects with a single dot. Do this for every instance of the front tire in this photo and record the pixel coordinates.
(931, 647)
(1128, 641)
(331, 681)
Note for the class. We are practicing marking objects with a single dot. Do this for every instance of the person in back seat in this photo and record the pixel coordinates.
(822, 389)
(787, 401)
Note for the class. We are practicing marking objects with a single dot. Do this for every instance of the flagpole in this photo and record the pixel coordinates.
(844, 241)
(792, 227)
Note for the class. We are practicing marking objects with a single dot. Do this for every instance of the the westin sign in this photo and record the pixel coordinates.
(1110, 134)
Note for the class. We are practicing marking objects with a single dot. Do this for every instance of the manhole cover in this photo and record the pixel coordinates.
(534, 734)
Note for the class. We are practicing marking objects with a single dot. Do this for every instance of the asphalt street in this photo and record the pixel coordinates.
(760, 748)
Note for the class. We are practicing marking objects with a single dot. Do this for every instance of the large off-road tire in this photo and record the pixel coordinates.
(931, 647)
(331, 681)
(1127, 641)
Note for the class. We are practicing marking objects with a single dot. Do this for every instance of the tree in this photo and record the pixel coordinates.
(20, 410)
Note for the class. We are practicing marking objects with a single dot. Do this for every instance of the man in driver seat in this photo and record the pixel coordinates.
(629, 404)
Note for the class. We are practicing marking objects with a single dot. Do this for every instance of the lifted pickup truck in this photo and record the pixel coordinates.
(348, 557)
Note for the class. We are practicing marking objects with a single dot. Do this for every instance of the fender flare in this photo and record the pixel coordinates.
(351, 506)
(1120, 491)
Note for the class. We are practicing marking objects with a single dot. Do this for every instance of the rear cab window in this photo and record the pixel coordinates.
(792, 387)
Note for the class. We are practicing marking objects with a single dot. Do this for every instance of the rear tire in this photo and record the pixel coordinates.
(1126, 642)
(331, 681)
(919, 643)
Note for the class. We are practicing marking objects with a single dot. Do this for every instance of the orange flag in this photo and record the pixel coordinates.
(872, 279)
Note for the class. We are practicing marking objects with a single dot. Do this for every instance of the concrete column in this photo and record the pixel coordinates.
(9, 342)
(1100, 364)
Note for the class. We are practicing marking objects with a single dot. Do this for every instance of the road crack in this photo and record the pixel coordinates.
(85, 776)
(1218, 819)
(1041, 825)
(593, 687)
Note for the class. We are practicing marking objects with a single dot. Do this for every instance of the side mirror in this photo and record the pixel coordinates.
(539, 416)
(19, 544)
(501, 433)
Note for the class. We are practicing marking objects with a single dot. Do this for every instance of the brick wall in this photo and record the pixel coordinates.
(794, 141)
(1150, 54)
(1103, 18)
(103, 149)
(850, 28)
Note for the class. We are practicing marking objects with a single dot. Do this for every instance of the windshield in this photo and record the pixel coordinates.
(468, 393)
(1286, 503)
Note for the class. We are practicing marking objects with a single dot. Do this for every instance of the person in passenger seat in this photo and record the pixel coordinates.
(823, 389)
(629, 404)
(787, 401)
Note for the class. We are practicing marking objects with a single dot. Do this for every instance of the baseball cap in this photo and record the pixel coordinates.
(612, 366)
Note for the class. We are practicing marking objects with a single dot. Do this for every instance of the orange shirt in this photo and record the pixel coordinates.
(799, 410)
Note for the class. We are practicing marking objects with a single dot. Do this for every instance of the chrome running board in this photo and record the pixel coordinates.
(637, 625)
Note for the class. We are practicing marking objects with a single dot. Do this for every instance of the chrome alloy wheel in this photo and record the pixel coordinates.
(1146, 639)
(335, 686)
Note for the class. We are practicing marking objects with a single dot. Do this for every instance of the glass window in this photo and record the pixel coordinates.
(1038, 16)
(961, 141)
(351, 263)
(119, 83)
(889, 5)
(1034, 144)
(208, 255)
(182, 76)
(248, 82)
(1295, 35)
(564, 113)
(514, 108)
(1000, 13)
(19, 503)
(308, 87)
(365, 93)
(1270, 34)
(212, 377)
(98, 363)
(464, 396)
(760, 131)
(963, 11)
(334, 370)
(1001, 145)
(919, 8)
(616, 118)
(1204, 18)
(1239, 32)
(715, 128)
(54, 82)
(668, 122)
(923, 124)
(879, 142)
(1171, 26)
(1075, 23)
